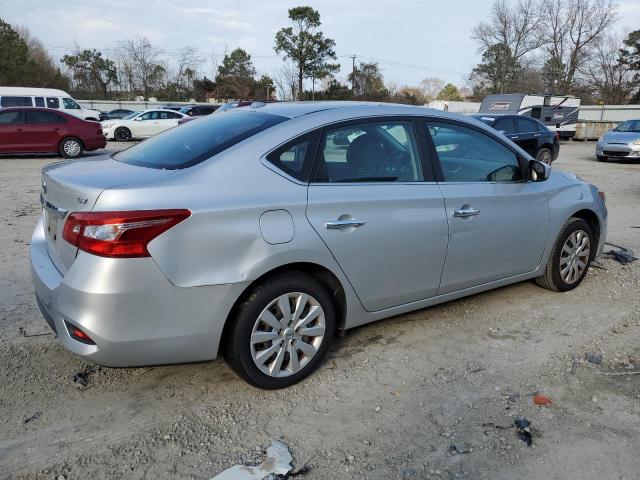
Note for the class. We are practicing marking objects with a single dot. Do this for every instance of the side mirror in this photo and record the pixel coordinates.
(539, 171)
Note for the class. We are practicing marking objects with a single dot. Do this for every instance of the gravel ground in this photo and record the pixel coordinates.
(389, 402)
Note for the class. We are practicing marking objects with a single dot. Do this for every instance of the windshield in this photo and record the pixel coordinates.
(131, 115)
(193, 142)
(628, 126)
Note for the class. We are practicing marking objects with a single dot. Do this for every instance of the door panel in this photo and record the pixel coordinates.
(397, 255)
(498, 219)
(506, 237)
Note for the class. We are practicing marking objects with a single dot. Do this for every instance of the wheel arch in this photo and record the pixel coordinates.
(592, 219)
(320, 273)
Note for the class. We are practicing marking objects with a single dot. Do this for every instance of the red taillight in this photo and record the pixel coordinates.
(602, 195)
(119, 234)
(557, 135)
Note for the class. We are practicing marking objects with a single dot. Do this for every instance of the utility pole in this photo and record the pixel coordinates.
(353, 74)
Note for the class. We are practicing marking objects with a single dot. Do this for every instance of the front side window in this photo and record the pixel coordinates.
(468, 155)
(43, 117)
(195, 142)
(16, 102)
(11, 118)
(70, 104)
(53, 102)
(370, 152)
(149, 116)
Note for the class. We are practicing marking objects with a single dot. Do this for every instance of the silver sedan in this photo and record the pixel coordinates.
(260, 233)
(621, 142)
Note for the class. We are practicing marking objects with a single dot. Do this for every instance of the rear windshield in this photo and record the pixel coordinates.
(191, 143)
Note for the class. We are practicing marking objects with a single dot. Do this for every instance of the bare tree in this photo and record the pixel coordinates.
(286, 81)
(431, 87)
(609, 77)
(516, 24)
(142, 67)
(571, 30)
(185, 71)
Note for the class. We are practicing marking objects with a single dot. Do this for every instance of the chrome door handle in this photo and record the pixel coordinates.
(466, 212)
(512, 137)
(340, 224)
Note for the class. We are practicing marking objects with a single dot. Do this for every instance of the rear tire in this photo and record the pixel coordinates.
(544, 155)
(601, 158)
(570, 258)
(122, 134)
(293, 342)
(71, 147)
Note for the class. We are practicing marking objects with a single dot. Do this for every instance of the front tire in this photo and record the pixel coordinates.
(281, 332)
(544, 155)
(122, 134)
(71, 147)
(570, 258)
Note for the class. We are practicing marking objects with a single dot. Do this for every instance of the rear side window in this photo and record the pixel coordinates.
(526, 125)
(296, 157)
(11, 118)
(44, 117)
(16, 102)
(376, 151)
(39, 101)
(53, 102)
(195, 142)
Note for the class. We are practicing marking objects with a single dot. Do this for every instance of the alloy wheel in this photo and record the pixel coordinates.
(574, 257)
(287, 334)
(71, 148)
(545, 156)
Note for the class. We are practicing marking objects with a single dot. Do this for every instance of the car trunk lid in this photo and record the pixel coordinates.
(75, 186)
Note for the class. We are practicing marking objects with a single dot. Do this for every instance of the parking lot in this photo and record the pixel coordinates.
(431, 394)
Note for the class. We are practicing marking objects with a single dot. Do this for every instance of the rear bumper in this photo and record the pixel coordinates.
(130, 310)
(95, 143)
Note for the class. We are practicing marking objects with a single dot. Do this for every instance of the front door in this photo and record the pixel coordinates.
(384, 224)
(498, 221)
(11, 128)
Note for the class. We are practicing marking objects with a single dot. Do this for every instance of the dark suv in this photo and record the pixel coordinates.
(198, 110)
(528, 133)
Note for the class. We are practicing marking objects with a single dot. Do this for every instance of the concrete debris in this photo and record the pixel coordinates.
(278, 463)
(523, 430)
(593, 357)
(81, 378)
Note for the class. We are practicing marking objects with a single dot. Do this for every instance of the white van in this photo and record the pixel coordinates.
(45, 97)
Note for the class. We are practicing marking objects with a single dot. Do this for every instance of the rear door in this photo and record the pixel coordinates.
(498, 220)
(527, 135)
(43, 131)
(11, 127)
(375, 205)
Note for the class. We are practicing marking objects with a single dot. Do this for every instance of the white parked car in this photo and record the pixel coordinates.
(141, 124)
(45, 98)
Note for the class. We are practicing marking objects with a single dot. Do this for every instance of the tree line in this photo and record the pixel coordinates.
(556, 46)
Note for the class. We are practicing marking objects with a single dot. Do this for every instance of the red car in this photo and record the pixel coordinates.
(41, 130)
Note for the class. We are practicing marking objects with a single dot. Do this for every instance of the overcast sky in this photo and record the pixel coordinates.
(410, 39)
